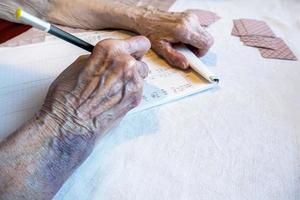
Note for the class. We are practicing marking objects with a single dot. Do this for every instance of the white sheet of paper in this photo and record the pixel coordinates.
(26, 73)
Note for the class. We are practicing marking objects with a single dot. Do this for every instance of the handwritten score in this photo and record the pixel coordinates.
(26, 73)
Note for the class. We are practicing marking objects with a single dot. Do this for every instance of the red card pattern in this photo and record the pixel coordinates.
(258, 28)
(235, 31)
(247, 27)
(239, 27)
(207, 17)
(257, 33)
(259, 41)
(281, 51)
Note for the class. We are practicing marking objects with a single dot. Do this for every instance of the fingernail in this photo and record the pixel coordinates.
(144, 41)
(143, 70)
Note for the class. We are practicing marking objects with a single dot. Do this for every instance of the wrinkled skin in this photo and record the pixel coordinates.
(98, 90)
(83, 103)
(166, 29)
(94, 93)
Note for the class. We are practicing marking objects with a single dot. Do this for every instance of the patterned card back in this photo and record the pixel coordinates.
(260, 41)
(281, 51)
(207, 18)
(249, 27)
(234, 31)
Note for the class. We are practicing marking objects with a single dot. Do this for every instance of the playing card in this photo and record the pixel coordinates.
(281, 51)
(247, 27)
(234, 31)
(257, 33)
(206, 18)
(240, 29)
(260, 41)
(257, 27)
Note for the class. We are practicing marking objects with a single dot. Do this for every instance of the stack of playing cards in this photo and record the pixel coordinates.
(258, 34)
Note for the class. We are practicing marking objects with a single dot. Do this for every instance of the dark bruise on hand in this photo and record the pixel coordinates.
(65, 154)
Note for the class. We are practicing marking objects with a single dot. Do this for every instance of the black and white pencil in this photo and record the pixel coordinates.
(29, 19)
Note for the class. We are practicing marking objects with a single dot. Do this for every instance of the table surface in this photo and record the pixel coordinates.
(240, 141)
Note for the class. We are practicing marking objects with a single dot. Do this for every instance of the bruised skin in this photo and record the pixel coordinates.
(83, 103)
(164, 29)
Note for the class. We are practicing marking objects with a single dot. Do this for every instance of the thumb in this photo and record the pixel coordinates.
(137, 46)
(173, 57)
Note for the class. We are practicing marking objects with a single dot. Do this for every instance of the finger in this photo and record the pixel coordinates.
(113, 116)
(129, 88)
(137, 46)
(193, 34)
(107, 86)
(173, 57)
(196, 51)
(142, 69)
(199, 39)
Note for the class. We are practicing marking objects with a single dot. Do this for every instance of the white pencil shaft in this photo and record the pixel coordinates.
(34, 21)
(197, 65)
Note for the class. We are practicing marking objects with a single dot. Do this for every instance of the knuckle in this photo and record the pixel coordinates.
(182, 24)
(81, 57)
(107, 45)
(145, 66)
(187, 24)
(138, 84)
(127, 60)
(208, 41)
(126, 63)
(188, 18)
(143, 69)
(53, 86)
(136, 98)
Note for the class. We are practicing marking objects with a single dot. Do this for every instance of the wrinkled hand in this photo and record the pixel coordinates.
(97, 90)
(165, 29)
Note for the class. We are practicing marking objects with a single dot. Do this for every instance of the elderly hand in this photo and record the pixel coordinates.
(84, 102)
(165, 29)
(96, 91)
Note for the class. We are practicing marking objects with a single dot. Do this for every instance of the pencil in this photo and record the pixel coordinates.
(52, 29)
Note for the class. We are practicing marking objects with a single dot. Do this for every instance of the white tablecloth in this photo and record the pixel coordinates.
(241, 141)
